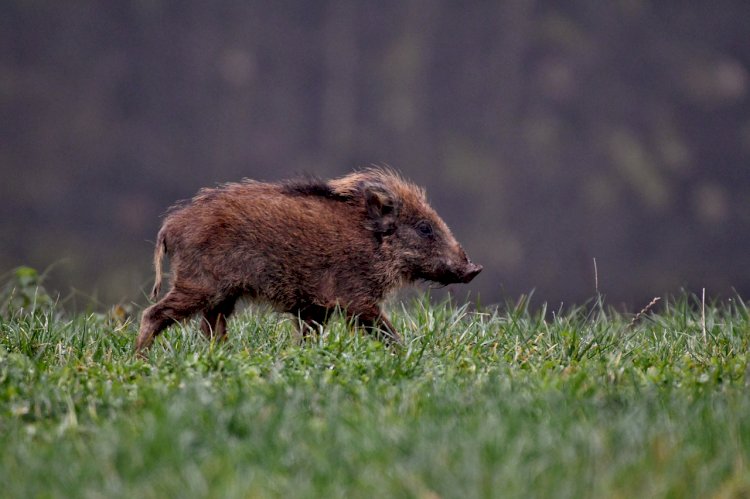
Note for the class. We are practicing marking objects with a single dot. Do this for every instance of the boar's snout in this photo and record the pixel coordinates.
(465, 270)
(462, 271)
(472, 270)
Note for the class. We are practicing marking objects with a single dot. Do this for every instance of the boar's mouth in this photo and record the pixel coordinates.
(447, 275)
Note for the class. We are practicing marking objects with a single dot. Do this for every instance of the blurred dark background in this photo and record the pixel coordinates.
(547, 133)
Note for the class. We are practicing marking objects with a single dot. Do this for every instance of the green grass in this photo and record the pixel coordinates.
(507, 403)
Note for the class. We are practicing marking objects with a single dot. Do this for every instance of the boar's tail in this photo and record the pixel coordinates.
(161, 248)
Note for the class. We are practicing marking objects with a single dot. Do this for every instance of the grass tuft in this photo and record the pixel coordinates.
(507, 402)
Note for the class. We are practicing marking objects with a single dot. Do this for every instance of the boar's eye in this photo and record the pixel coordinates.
(424, 229)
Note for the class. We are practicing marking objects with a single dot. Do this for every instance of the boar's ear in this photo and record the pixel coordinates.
(382, 209)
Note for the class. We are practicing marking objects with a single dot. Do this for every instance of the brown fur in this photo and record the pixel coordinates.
(306, 246)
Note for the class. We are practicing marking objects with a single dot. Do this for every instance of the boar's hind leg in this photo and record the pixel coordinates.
(174, 307)
(311, 318)
(378, 325)
(214, 322)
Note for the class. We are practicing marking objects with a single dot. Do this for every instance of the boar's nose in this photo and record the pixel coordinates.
(471, 272)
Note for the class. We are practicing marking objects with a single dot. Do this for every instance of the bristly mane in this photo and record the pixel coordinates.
(349, 185)
(311, 186)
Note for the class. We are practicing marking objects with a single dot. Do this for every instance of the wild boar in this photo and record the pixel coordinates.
(306, 246)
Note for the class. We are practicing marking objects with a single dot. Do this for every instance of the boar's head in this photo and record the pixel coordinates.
(410, 232)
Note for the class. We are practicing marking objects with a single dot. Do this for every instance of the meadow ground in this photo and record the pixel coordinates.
(507, 403)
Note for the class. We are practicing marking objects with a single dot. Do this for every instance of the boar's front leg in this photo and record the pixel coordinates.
(376, 323)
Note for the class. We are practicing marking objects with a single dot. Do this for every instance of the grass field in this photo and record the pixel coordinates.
(508, 403)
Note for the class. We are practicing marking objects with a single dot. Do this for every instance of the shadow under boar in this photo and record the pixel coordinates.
(305, 246)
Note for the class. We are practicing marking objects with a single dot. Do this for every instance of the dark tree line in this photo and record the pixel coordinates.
(547, 134)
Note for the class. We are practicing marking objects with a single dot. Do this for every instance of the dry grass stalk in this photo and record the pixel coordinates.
(703, 314)
(643, 311)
